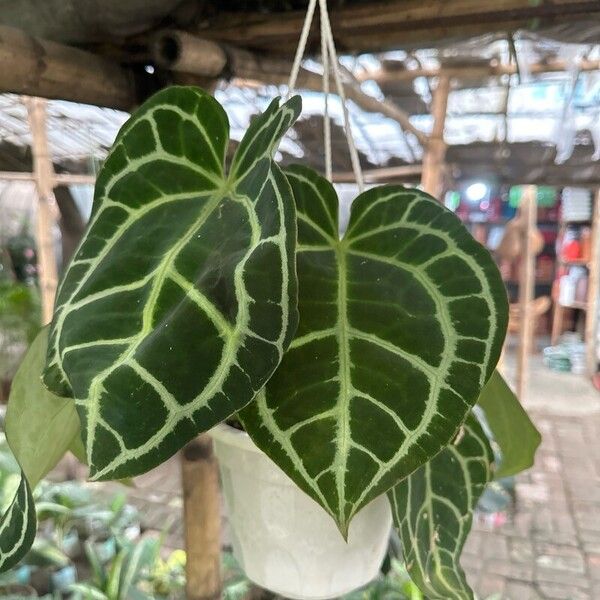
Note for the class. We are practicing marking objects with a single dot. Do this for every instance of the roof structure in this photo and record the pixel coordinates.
(524, 104)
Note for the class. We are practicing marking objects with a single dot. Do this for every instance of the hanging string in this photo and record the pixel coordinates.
(329, 58)
(356, 168)
(301, 47)
(326, 123)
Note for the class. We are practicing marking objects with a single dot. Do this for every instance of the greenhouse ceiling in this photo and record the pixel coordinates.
(527, 101)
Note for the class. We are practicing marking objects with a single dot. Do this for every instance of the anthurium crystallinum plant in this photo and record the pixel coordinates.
(354, 363)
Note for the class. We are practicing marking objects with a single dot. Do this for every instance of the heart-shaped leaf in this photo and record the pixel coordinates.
(17, 527)
(511, 427)
(181, 299)
(433, 511)
(401, 324)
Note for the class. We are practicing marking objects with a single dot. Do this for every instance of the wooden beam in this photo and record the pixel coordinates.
(382, 25)
(494, 69)
(35, 67)
(43, 175)
(56, 178)
(380, 175)
(528, 210)
(435, 154)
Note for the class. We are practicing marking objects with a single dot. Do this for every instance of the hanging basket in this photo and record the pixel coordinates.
(284, 541)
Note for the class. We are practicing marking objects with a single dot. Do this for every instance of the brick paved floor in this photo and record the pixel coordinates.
(550, 545)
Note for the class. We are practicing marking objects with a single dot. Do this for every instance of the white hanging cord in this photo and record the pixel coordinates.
(340, 88)
(329, 57)
(301, 47)
(326, 122)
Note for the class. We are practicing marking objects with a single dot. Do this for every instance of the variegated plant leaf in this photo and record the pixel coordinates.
(433, 511)
(510, 426)
(401, 325)
(18, 526)
(181, 298)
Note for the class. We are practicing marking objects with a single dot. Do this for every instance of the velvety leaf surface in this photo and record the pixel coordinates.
(401, 325)
(181, 299)
(433, 511)
(40, 427)
(510, 425)
(17, 527)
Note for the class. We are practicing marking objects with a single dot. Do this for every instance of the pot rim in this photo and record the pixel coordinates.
(231, 436)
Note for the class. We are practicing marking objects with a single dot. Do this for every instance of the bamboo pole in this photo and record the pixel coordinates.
(36, 67)
(202, 520)
(591, 321)
(43, 176)
(57, 178)
(528, 210)
(435, 153)
(186, 53)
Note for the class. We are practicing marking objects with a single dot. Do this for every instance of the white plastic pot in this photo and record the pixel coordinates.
(282, 538)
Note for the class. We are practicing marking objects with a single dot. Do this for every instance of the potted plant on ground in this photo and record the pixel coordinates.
(199, 296)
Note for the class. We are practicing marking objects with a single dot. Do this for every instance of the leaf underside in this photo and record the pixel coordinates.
(181, 298)
(40, 427)
(433, 511)
(401, 324)
(511, 427)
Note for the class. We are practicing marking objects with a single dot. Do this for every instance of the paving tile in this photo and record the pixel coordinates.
(516, 590)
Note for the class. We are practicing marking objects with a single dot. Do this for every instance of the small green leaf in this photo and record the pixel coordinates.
(510, 425)
(401, 325)
(433, 511)
(138, 558)
(181, 298)
(40, 427)
(17, 527)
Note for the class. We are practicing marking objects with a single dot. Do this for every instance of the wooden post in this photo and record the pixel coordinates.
(44, 180)
(591, 321)
(202, 518)
(526, 288)
(435, 153)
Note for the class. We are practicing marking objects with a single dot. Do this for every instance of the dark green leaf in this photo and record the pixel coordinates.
(510, 425)
(401, 325)
(181, 299)
(17, 527)
(433, 511)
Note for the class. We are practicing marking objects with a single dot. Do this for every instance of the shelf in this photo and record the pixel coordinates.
(574, 263)
(579, 305)
(537, 281)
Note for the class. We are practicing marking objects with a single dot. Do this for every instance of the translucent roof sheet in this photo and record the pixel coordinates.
(558, 108)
